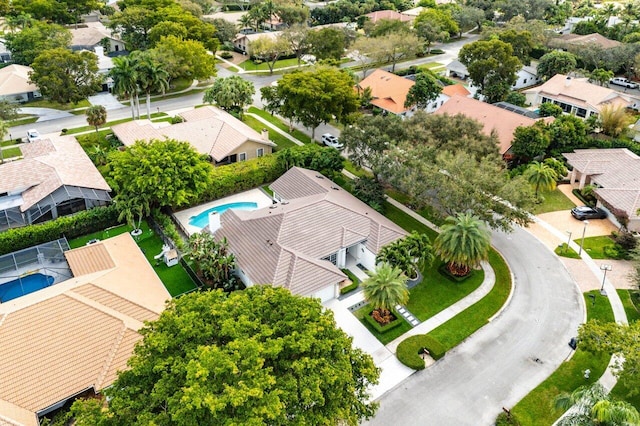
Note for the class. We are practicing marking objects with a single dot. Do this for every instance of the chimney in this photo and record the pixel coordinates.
(567, 81)
(264, 134)
(214, 222)
(99, 51)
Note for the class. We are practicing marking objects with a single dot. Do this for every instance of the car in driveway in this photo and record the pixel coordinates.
(33, 135)
(586, 212)
(329, 140)
(621, 81)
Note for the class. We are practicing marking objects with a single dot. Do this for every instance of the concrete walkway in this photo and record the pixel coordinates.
(45, 114)
(275, 128)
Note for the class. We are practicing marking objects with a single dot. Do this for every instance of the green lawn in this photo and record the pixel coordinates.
(406, 222)
(11, 152)
(565, 251)
(463, 325)
(595, 246)
(388, 336)
(537, 407)
(175, 279)
(22, 121)
(280, 124)
(249, 65)
(274, 136)
(112, 123)
(632, 311)
(553, 201)
(44, 103)
(436, 292)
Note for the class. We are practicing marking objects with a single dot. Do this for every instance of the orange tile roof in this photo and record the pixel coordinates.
(493, 118)
(388, 14)
(77, 334)
(455, 89)
(388, 90)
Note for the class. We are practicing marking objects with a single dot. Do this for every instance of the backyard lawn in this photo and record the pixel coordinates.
(175, 279)
(537, 408)
(553, 201)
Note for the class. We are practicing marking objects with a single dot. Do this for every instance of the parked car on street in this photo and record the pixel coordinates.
(329, 140)
(33, 135)
(621, 81)
(586, 212)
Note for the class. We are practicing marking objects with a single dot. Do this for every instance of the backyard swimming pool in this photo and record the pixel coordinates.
(202, 219)
(24, 285)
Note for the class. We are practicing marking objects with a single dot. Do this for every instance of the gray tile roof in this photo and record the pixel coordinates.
(284, 244)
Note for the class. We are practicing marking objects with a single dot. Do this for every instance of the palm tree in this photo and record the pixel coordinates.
(541, 176)
(96, 116)
(131, 206)
(385, 288)
(411, 253)
(592, 405)
(463, 243)
(151, 76)
(125, 80)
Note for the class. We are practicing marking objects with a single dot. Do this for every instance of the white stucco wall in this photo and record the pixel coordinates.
(327, 293)
(367, 258)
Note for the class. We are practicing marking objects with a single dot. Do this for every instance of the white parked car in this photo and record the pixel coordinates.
(621, 81)
(329, 140)
(33, 135)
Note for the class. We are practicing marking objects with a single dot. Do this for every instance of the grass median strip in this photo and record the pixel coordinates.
(280, 124)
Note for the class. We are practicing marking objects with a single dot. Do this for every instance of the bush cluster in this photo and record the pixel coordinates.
(81, 223)
(409, 350)
(169, 228)
(384, 328)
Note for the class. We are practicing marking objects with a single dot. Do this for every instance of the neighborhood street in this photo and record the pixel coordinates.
(496, 366)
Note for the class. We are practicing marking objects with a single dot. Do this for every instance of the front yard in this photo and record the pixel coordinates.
(553, 201)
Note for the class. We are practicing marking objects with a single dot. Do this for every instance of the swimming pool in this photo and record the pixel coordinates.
(202, 219)
(24, 285)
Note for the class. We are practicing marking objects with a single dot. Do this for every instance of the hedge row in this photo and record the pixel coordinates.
(409, 350)
(169, 228)
(81, 223)
(384, 328)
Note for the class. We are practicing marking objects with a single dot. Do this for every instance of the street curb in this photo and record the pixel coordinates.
(513, 286)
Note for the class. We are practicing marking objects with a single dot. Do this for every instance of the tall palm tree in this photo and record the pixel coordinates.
(410, 254)
(151, 76)
(541, 176)
(385, 288)
(96, 116)
(592, 405)
(463, 243)
(125, 80)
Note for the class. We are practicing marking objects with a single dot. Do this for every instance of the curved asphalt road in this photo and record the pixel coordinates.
(496, 366)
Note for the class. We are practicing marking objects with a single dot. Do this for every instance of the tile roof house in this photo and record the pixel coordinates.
(525, 77)
(15, 86)
(76, 335)
(303, 241)
(577, 40)
(388, 14)
(494, 119)
(447, 93)
(388, 91)
(55, 178)
(242, 42)
(575, 95)
(616, 175)
(91, 35)
(209, 130)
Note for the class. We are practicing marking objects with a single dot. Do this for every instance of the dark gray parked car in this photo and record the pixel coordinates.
(586, 212)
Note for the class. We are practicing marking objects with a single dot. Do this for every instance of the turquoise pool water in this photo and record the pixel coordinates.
(202, 219)
(24, 285)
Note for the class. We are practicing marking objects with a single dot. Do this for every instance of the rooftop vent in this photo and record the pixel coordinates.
(320, 176)
(335, 188)
(273, 206)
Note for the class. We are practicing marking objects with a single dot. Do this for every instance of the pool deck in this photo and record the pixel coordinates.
(253, 195)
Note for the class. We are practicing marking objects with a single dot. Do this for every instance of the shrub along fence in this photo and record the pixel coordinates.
(79, 224)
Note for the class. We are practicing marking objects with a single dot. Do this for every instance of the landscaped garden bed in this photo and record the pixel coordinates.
(389, 334)
(410, 351)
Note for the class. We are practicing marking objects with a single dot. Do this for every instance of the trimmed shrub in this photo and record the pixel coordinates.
(349, 288)
(169, 228)
(82, 223)
(384, 328)
(410, 349)
(226, 55)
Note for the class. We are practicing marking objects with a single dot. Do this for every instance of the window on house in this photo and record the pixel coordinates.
(581, 112)
(259, 152)
(333, 258)
(242, 156)
(524, 81)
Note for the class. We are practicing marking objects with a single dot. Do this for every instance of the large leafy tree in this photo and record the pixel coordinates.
(133, 25)
(231, 93)
(411, 254)
(96, 116)
(492, 67)
(463, 243)
(269, 49)
(425, 90)
(167, 172)
(556, 62)
(313, 97)
(530, 141)
(31, 41)
(440, 16)
(258, 356)
(213, 260)
(327, 43)
(431, 31)
(298, 39)
(567, 131)
(185, 58)
(593, 406)
(541, 176)
(65, 76)
(385, 288)
(521, 42)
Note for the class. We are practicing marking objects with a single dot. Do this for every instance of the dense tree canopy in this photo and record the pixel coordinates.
(425, 90)
(258, 356)
(556, 62)
(231, 93)
(65, 76)
(160, 173)
(25, 45)
(185, 58)
(530, 141)
(327, 43)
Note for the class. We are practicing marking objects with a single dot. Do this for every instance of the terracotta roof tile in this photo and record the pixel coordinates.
(89, 259)
(388, 90)
(455, 89)
(388, 14)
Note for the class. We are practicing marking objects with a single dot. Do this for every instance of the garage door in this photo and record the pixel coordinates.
(326, 293)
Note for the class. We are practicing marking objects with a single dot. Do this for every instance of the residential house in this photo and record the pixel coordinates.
(209, 130)
(616, 175)
(388, 91)
(568, 41)
(242, 42)
(55, 178)
(5, 55)
(575, 95)
(525, 77)
(494, 119)
(456, 69)
(570, 23)
(303, 241)
(389, 15)
(15, 85)
(446, 94)
(93, 34)
(73, 337)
